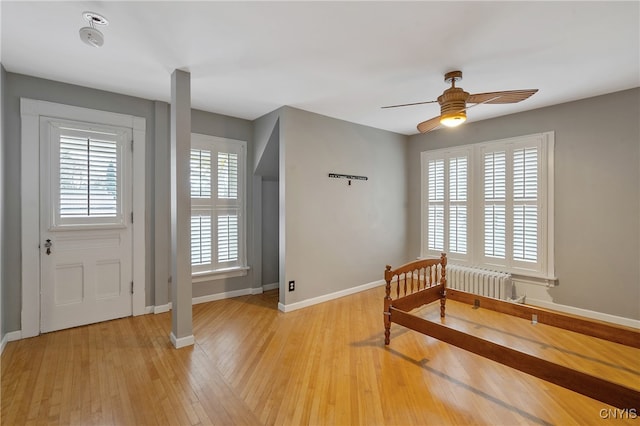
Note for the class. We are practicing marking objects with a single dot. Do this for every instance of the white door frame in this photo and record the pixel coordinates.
(30, 111)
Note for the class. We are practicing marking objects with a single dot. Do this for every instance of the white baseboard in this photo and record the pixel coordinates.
(182, 341)
(10, 337)
(628, 322)
(325, 298)
(273, 286)
(226, 295)
(158, 309)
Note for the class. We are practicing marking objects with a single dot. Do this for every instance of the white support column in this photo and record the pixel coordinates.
(162, 208)
(181, 292)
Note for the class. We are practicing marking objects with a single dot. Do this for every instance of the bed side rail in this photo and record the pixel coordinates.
(594, 387)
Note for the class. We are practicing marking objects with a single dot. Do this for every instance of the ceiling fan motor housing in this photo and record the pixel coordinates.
(453, 101)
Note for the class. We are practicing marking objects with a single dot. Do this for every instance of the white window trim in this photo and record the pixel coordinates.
(200, 140)
(474, 225)
(30, 113)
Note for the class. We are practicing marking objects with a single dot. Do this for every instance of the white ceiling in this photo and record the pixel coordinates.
(341, 59)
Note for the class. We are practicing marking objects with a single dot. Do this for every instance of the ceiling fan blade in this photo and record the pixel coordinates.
(504, 97)
(430, 124)
(403, 105)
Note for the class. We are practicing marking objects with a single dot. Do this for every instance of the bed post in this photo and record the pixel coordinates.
(387, 305)
(443, 281)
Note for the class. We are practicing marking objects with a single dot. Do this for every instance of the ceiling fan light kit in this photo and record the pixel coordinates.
(453, 103)
(454, 119)
(91, 35)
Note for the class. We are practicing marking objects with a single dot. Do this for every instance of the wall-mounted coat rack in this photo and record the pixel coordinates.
(349, 177)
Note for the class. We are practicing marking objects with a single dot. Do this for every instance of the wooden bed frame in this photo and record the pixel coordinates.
(424, 281)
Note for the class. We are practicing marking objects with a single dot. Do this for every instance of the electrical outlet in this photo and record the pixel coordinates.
(292, 285)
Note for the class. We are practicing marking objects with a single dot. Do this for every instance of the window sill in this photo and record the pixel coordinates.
(219, 274)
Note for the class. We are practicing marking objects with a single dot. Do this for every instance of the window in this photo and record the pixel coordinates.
(217, 204)
(87, 175)
(447, 176)
(491, 204)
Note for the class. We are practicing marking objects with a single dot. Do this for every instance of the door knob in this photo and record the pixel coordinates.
(48, 246)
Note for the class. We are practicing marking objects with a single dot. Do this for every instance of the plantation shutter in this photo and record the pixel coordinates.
(88, 177)
(87, 174)
(200, 173)
(525, 204)
(227, 176)
(446, 199)
(512, 231)
(201, 238)
(458, 205)
(491, 204)
(217, 204)
(228, 238)
(201, 197)
(227, 221)
(435, 200)
(495, 204)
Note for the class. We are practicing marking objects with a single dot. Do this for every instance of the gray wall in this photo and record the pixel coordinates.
(597, 197)
(270, 232)
(157, 178)
(265, 166)
(337, 236)
(267, 149)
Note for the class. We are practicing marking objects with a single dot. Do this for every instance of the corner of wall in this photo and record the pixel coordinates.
(263, 128)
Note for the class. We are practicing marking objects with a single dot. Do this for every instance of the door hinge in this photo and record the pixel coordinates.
(131, 287)
(131, 217)
(131, 146)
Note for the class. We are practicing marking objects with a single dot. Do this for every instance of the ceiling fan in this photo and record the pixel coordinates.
(453, 102)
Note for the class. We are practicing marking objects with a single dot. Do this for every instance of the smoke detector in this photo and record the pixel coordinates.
(90, 35)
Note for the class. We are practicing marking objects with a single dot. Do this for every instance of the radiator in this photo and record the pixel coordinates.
(480, 281)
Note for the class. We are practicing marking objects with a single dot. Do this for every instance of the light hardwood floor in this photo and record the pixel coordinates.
(326, 364)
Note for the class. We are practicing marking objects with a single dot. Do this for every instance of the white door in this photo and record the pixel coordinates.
(85, 223)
